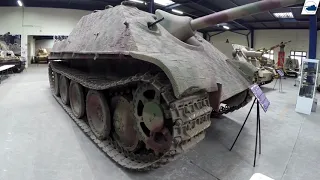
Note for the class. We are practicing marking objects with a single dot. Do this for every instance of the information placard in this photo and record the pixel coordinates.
(261, 97)
(280, 72)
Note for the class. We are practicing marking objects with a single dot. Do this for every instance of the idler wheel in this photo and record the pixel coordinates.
(123, 123)
(98, 114)
(64, 89)
(150, 120)
(77, 99)
(56, 84)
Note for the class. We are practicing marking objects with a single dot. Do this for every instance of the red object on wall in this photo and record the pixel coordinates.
(280, 59)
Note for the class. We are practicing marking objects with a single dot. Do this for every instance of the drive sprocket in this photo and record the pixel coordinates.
(150, 118)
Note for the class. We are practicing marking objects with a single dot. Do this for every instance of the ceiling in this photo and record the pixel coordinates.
(194, 9)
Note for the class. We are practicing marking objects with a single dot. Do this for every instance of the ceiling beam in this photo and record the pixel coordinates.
(211, 10)
(273, 21)
(296, 6)
(276, 19)
(171, 6)
(295, 28)
(214, 10)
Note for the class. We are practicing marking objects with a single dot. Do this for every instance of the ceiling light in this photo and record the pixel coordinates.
(283, 15)
(138, 1)
(176, 11)
(19, 3)
(226, 27)
(164, 2)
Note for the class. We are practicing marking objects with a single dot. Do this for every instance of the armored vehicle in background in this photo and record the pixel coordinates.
(7, 57)
(247, 69)
(41, 56)
(247, 57)
(143, 86)
(15, 48)
(244, 53)
(291, 67)
(12, 43)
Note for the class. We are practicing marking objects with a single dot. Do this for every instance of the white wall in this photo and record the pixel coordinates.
(268, 38)
(38, 21)
(31, 47)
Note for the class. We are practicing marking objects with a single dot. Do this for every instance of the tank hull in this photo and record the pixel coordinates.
(176, 58)
(38, 59)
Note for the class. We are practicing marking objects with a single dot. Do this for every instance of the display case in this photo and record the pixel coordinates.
(307, 88)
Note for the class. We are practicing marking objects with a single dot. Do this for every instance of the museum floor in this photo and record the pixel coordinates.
(40, 142)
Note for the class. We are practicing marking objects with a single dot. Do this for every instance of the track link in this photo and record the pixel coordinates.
(190, 117)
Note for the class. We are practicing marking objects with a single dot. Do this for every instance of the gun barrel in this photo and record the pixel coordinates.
(239, 12)
(252, 53)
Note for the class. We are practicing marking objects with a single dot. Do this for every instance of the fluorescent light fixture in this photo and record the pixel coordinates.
(138, 1)
(283, 15)
(20, 3)
(164, 2)
(176, 11)
(226, 27)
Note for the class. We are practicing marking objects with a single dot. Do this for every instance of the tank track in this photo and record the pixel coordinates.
(190, 116)
(227, 109)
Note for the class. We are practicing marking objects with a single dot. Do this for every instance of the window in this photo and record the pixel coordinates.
(269, 55)
(299, 55)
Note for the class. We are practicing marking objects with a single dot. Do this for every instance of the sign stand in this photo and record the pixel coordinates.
(281, 74)
(262, 101)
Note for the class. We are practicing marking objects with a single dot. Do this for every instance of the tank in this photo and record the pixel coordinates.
(248, 57)
(41, 56)
(244, 67)
(244, 53)
(12, 46)
(15, 48)
(143, 86)
(291, 67)
(7, 57)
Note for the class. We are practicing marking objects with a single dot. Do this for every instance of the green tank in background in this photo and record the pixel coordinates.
(143, 86)
(41, 56)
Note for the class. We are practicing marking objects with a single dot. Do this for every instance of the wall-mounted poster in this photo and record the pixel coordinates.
(11, 42)
(59, 38)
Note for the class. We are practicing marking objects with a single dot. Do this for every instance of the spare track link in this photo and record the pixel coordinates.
(191, 116)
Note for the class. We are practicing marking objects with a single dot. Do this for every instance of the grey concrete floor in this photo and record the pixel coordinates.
(39, 141)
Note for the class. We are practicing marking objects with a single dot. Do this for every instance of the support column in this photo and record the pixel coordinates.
(312, 36)
(151, 6)
(24, 48)
(205, 36)
(251, 38)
